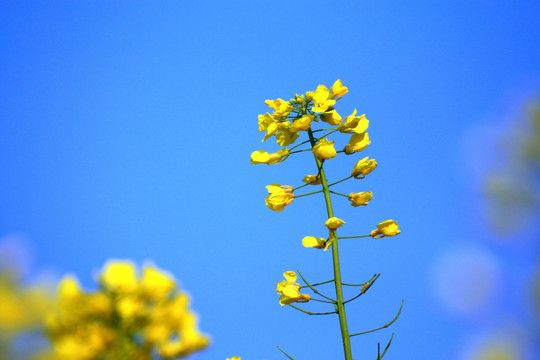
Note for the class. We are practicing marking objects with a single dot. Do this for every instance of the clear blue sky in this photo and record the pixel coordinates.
(126, 129)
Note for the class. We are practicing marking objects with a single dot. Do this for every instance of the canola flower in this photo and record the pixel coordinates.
(130, 316)
(313, 115)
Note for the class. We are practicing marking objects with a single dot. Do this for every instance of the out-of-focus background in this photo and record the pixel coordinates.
(126, 130)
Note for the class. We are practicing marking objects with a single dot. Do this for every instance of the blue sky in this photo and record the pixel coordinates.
(126, 130)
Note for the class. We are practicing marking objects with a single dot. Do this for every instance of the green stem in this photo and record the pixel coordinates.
(317, 284)
(337, 182)
(340, 194)
(335, 256)
(384, 326)
(310, 193)
(313, 289)
(287, 355)
(312, 313)
(353, 237)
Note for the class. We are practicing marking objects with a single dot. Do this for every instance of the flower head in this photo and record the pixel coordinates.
(385, 228)
(279, 196)
(354, 124)
(290, 290)
(324, 150)
(364, 167)
(312, 241)
(333, 223)
(357, 143)
(338, 90)
(269, 124)
(361, 198)
(262, 157)
(321, 101)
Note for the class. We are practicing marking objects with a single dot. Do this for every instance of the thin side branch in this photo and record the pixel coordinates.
(312, 313)
(384, 326)
(287, 355)
(313, 289)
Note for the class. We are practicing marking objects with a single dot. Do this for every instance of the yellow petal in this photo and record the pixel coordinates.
(312, 241)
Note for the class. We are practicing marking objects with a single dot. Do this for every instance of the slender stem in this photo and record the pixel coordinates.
(313, 289)
(353, 237)
(363, 290)
(310, 193)
(312, 313)
(287, 355)
(321, 283)
(300, 144)
(384, 326)
(362, 284)
(324, 301)
(335, 192)
(337, 182)
(325, 135)
(299, 151)
(318, 130)
(386, 348)
(335, 256)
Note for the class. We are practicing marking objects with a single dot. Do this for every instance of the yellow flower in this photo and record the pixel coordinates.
(333, 223)
(361, 198)
(353, 123)
(119, 276)
(155, 283)
(324, 150)
(338, 90)
(309, 96)
(331, 117)
(262, 157)
(279, 196)
(269, 124)
(321, 102)
(302, 124)
(312, 179)
(290, 290)
(285, 136)
(357, 143)
(234, 358)
(364, 167)
(282, 108)
(312, 241)
(386, 228)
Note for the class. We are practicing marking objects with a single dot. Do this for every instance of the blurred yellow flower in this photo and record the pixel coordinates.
(312, 179)
(331, 117)
(357, 143)
(385, 228)
(279, 196)
(312, 241)
(263, 157)
(130, 317)
(234, 358)
(354, 124)
(364, 167)
(333, 223)
(361, 198)
(324, 150)
(338, 90)
(119, 276)
(290, 290)
(321, 101)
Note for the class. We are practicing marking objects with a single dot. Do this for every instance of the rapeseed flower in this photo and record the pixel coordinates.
(354, 124)
(302, 124)
(333, 223)
(331, 117)
(279, 196)
(290, 290)
(357, 143)
(312, 241)
(321, 100)
(361, 198)
(363, 167)
(263, 157)
(282, 108)
(338, 90)
(324, 150)
(385, 228)
(312, 179)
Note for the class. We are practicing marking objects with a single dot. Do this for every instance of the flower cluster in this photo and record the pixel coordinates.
(300, 114)
(289, 290)
(129, 317)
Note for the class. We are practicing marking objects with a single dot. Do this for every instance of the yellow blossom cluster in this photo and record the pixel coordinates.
(301, 114)
(128, 317)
